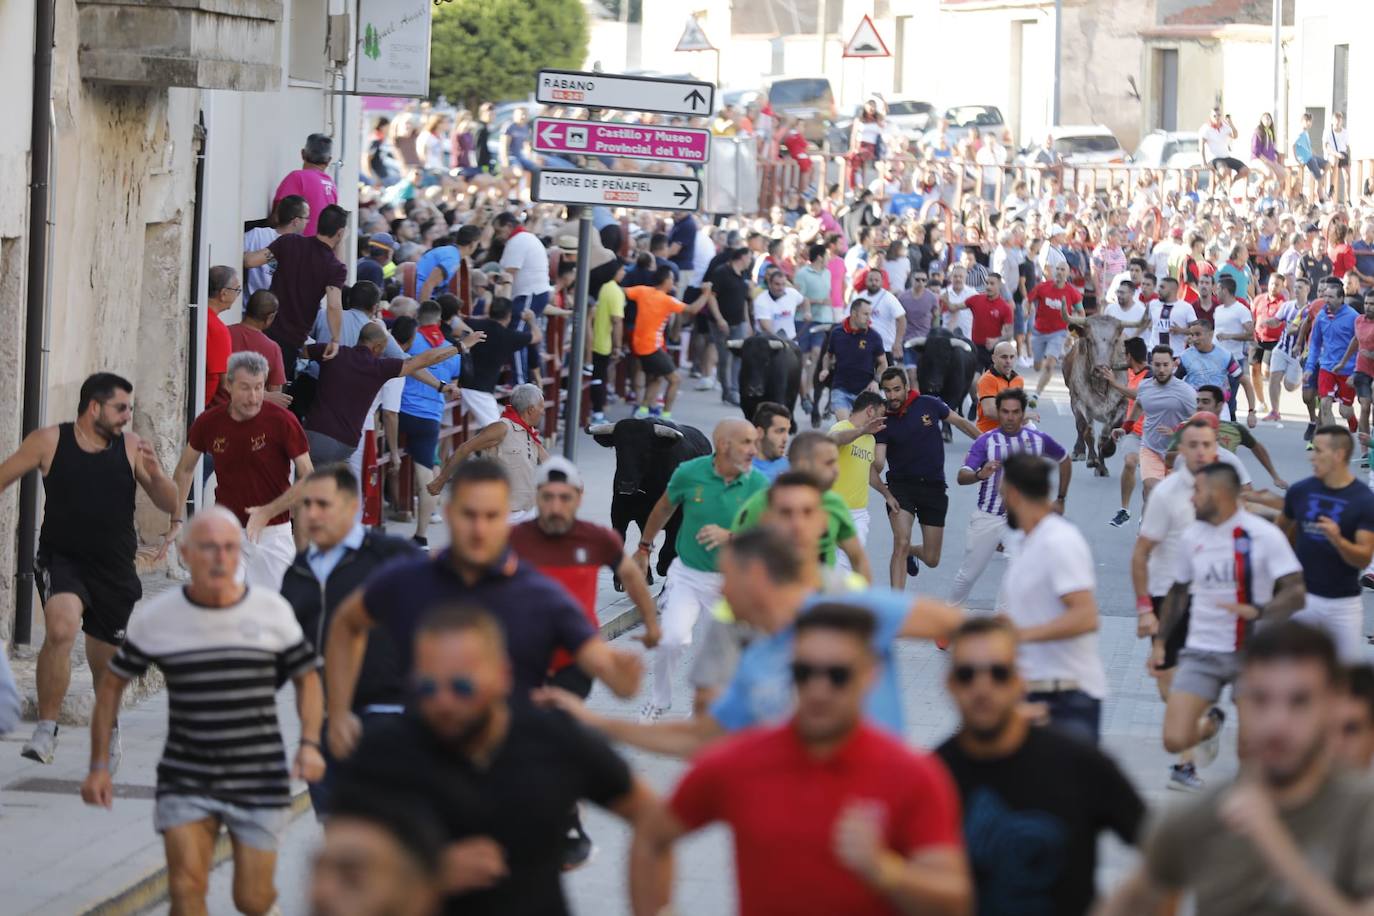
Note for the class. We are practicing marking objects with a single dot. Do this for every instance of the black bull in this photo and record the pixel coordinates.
(646, 454)
(945, 367)
(770, 370)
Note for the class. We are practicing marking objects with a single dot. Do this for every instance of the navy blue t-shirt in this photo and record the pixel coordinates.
(1351, 507)
(914, 439)
(856, 358)
(536, 613)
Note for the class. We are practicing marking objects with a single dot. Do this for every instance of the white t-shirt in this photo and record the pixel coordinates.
(1159, 258)
(1206, 558)
(1116, 284)
(1167, 513)
(1216, 141)
(1128, 316)
(1231, 319)
(897, 271)
(525, 253)
(258, 278)
(703, 251)
(961, 320)
(1052, 561)
(1170, 329)
(781, 311)
(886, 311)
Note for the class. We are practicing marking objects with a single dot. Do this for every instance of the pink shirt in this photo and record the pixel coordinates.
(836, 268)
(316, 187)
(1364, 336)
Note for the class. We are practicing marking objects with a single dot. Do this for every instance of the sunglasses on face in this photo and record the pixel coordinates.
(837, 675)
(428, 687)
(967, 674)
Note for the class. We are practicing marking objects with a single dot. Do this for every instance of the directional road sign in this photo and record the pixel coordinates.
(617, 189)
(627, 93)
(631, 141)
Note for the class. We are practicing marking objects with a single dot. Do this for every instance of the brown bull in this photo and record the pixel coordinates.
(1099, 343)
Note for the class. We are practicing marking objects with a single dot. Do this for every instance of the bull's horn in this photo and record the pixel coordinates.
(667, 432)
(915, 342)
(775, 344)
(734, 344)
(962, 344)
(602, 429)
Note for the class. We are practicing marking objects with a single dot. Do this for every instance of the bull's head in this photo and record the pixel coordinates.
(937, 355)
(635, 443)
(754, 363)
(1102, 340)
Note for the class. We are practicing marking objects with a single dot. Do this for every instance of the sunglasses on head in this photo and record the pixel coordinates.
(837, 675)
(967, 674)
(428, 687)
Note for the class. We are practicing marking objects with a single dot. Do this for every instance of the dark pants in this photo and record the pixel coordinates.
(320, 791)
(1072, 712)
(601, 368)
(1235, 388)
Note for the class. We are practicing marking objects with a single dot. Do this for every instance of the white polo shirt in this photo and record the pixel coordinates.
(526, 254)
(886, 311)
(782, 311)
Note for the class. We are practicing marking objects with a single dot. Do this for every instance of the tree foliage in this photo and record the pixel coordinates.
(491, 50)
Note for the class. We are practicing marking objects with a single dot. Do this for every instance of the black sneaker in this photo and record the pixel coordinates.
(578, 849)
(1121, 518)
(1311, 431)
(422, 543)
(1367, 580)
(912, 567)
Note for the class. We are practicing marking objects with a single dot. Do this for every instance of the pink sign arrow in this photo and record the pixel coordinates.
(630, 141)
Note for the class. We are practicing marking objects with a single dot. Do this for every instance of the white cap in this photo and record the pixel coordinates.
(558, 470)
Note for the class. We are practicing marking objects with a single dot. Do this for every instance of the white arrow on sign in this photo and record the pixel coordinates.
(549, 134)
(626, 93)
(617, 189)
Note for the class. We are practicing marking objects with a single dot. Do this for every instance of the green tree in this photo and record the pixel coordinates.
(491, 50)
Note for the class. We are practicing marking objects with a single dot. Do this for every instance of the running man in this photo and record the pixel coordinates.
(855, 438)
(1166, 401)
(223, 647)
(656, 305)
(86, 547)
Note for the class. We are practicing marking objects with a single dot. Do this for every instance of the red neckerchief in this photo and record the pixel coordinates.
(848, 328)
(433, 335)
(910, 399)
(510, 414)
(514, 232)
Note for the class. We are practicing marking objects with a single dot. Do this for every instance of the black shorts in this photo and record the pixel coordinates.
(1231, 162)
(1176, 639)
(657, 364)
(926, 499)
(1262, 347)
(984, 357)
(107, 596)
(572, 679)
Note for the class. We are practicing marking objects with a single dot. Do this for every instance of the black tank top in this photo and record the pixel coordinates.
(89, 509)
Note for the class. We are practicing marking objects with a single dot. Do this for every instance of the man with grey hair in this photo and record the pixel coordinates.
(311, 180)
(255, 445)
(513, 442)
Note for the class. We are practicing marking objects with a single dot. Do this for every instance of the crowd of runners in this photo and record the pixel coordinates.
(444, 732)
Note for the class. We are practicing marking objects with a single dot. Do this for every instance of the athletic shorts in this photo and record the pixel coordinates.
(1152, 465)
(1329, 384)
(1051, 344)
(1262, 349)
(107, 597)
(657, 364)
(1176, 639)
(1287, 365)
(1361, 382)
(259, 828)
(1316, 165)
(928, 500)
(422, 439)
(1204, 674)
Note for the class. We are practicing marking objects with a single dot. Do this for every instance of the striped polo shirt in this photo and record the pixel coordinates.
(998, 446)
(223, 668)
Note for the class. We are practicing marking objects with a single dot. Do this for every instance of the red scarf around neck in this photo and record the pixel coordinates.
(433, 335)
(510, 414)
(911, 397)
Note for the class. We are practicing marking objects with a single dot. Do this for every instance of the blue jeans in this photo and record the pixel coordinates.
(525, 361)
(727, 363)
(1073, 713)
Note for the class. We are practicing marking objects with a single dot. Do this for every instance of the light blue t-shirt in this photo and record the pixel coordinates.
(771, 469)
(419, 399)
(446, 258)
(761, 691)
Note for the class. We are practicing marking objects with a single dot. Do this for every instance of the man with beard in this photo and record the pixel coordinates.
(1292, 834)
(86, 548)
(1231, 569)
(1034, 801)
(377, 858)
(498, 773)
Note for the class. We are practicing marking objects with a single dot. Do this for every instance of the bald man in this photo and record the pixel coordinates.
(710, 489)
(1002, 375)
(216, 770)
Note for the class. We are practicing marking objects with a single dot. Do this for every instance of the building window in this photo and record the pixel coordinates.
(309, 25)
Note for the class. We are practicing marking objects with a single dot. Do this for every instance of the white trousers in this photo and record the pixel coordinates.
(265, 563)
(481, 406)
(985, 532)
(861, 520)
(1340, 618)
(687, 594)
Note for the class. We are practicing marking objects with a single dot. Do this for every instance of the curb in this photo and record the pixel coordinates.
(151, 889)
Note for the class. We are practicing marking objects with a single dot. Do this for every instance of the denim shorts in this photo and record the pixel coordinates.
(1051, 344)
(1072, 713)
(259, 828)
(841, 399)
(1362, 384)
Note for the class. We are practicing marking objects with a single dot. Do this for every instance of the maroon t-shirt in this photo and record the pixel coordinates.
(348, 384)
(305, 267)
(572, 560)
(252, 457)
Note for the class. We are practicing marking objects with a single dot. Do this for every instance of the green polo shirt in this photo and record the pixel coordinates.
(841, 527)
(706, 499)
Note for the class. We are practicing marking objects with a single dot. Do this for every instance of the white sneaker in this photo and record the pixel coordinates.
(43, 745)
(1205, 754)
(116, 751)
(705, 383)
(651, 713)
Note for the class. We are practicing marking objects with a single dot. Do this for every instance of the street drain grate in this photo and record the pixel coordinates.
(73, 787)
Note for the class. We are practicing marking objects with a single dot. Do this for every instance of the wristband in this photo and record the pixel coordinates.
(1143, 605)
(645, 547)
(306, 742)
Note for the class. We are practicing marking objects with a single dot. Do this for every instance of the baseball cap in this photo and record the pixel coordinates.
(382, 240)
(558, 470)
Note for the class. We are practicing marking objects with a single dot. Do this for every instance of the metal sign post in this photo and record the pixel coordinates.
(572, 422)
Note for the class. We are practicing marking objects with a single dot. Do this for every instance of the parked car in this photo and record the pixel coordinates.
(1168, 149)
(1087, 145)
(962, 117)
(809, 98)
(906, 116)
(740, 98)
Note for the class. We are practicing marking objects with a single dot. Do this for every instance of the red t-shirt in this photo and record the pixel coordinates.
(1342, 260)
(573, 561)
(1265, 308)
(782, 805)
(1133, 380)
(241, 338)
(218, 346)
(1048, 301)
(989, 315)
(253, 458)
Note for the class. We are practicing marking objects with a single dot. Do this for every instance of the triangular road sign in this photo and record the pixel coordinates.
(693, 38)
(866, 42)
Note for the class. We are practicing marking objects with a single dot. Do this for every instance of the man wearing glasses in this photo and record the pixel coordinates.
(1030, 831)
(920, 304)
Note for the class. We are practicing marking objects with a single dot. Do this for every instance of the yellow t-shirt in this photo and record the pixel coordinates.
(610, 304)
(855, 460)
